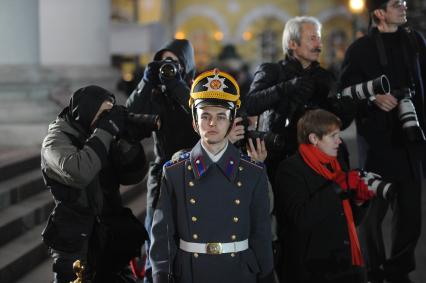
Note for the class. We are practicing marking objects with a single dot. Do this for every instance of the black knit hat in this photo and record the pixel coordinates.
(85, 103)
(375, 4)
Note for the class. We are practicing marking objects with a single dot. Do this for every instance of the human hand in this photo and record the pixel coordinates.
(385, 102)
(348, 180)
(237, 131)
(113, 120)
(300, 89)
(151, 73)
(258, 152)
(363, 193)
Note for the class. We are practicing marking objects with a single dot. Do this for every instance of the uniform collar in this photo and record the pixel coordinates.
(228, 163)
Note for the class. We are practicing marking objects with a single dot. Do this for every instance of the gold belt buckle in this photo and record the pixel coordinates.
(214, 248)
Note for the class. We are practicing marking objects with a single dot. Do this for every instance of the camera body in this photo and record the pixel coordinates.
(168, 69)
(407, 115)
(375, 184)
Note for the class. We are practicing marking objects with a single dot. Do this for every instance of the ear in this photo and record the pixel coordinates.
(195, 127)
(380, 14)
(313, 138)
(292, 44)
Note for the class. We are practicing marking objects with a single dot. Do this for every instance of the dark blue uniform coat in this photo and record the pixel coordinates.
(206, 202)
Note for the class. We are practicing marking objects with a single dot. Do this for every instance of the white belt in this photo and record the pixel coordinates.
(213, 248)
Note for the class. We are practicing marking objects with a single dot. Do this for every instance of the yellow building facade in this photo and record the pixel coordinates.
(254, 27)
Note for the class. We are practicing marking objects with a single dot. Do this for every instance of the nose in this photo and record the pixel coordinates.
(212, 122)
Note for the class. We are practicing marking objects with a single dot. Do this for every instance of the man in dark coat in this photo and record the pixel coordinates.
(212, 221)
(83, 164)
(167, 97)
(400, 54)
(287, 88)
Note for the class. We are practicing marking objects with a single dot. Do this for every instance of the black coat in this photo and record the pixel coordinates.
(388, 153)
(176, 130)
(268, 92)
(312, 226)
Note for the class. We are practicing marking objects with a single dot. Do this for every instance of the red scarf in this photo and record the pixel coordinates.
(316, 159)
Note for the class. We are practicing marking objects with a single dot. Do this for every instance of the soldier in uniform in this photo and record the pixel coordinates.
(212, 220)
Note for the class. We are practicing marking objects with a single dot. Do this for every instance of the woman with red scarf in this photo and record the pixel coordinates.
(319, 203)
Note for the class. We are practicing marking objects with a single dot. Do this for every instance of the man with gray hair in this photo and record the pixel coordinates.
(283, 91)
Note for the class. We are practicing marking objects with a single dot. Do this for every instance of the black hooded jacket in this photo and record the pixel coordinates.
(176, 131)
(382, 130)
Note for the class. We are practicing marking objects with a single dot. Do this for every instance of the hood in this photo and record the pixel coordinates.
(84, 104)
(183, 49)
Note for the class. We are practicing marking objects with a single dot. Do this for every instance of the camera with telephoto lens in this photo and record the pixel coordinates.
(407, 115)
(367, 90)
(273, 141)
(147, 121)
(168, 69)
(139, 126)
(376, 185)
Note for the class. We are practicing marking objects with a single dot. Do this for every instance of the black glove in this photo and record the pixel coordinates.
(151, 73)
(171, 83)
(304, 89)
(113, 121)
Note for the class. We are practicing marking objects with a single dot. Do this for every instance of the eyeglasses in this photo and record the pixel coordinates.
(396, 5)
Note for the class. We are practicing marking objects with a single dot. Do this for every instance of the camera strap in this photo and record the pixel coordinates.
(404, 48)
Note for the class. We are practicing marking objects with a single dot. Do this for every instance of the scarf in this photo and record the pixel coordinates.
(318, 161)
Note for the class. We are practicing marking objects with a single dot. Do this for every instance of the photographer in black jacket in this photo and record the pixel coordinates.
(287, 88)
(400, 54)
(166, 94)
(84, 159)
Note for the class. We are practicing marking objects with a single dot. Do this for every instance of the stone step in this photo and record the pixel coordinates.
(27, 266)
(21, 187)
(23, 216)
(22, 254)
(15, 161)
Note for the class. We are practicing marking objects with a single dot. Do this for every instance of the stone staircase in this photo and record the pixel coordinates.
(25, 204)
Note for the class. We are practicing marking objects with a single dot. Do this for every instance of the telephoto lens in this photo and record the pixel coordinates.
(408, 116)
(369, 89)
(149, 122)
(272, 141)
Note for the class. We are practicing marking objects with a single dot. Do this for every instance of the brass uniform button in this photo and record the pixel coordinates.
(195, 236)
(241, 168)
(191, 184)
(233, 237)
(235, 219)
(192, 201)
(195, 255)
(232, 255)
(194, 219)
(189, 167)
(239, 184)
(237, 202)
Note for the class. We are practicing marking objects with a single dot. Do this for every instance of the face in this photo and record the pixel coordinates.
(106, 105)
(213, 124)
(330, 142)
(309, 49)
(396, 12)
